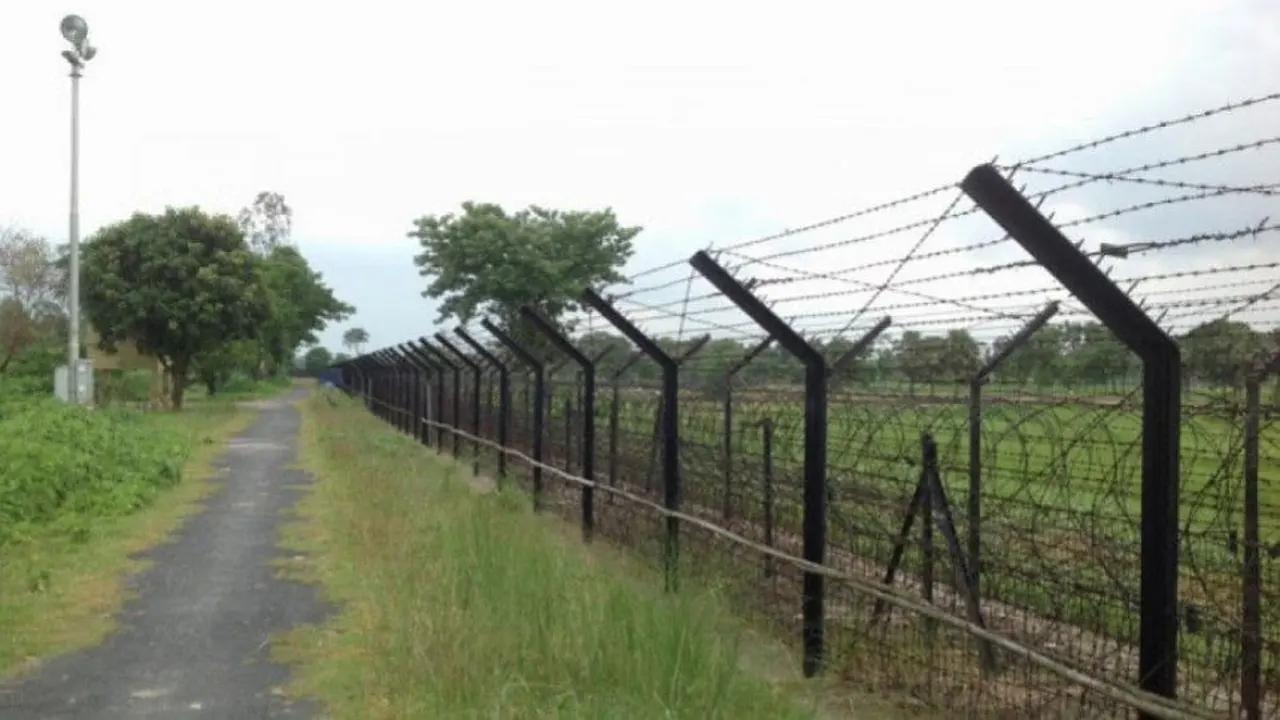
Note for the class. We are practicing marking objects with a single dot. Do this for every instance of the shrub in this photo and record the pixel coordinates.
(63, 463)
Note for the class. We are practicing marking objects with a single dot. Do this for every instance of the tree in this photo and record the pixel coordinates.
(301, 306)
(1093, 356)
(1038, 359)
(31, 286)
(267, 223)
(354, 339)
(316, 359)
(301, 303)
(215, 367)
(961, 355)
(181, 285)
(1221, 352)
(487, 261)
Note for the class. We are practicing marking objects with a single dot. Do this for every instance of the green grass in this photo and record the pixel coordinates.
(456, 603)
(82, 492)
(1061, 492)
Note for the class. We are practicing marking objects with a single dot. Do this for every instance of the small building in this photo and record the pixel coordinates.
(127, 358)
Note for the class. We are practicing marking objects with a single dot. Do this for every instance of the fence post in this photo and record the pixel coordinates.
(614, 410)
(375, 366)
(412, 373)
(766, 445)
(404, 368)
(1161, 412)
(689, 352)
(815, 448)
(736, 368)
(588, 439)
(670, 424)
(392, 386)
(425, 352)
(434, 369)
(382, 385)
(539, 390)
(1251, 626)
(362, 372)
(475, 399)
(504, 395)
(976, 383)
(408, 389)
(375, 382)
(456, 400)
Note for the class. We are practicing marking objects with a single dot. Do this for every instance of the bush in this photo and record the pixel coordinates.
(130, 387)
(64, 464)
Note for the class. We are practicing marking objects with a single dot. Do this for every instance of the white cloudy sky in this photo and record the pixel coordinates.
(706, 122)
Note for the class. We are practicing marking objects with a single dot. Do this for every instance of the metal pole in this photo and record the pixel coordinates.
(73, 238)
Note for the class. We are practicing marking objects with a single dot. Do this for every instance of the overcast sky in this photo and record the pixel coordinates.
(705, 122)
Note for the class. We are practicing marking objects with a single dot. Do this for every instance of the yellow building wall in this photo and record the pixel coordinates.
(126, 357)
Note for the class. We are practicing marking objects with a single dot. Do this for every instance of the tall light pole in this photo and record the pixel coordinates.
(76, 31)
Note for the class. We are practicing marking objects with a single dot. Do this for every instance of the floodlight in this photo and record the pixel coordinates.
(74, 29)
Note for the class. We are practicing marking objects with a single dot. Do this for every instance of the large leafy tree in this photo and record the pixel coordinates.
(317, 358)
(301, 306)
(301, 303)
(1222, 352)
(485, 260)
(179, 284)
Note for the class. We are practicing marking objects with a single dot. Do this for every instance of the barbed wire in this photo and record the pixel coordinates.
(1017, 382)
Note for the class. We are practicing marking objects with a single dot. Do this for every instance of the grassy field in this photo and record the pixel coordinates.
(82, 492)
(457, 603)
(1061, 496)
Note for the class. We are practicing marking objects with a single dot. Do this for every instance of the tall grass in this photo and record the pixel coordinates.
(463, 604)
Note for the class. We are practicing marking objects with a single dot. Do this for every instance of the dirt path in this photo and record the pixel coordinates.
(195, 640)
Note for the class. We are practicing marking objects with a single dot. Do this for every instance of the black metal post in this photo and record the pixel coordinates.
(375, 366)
(815, 449)
(361, 375)
(766, 442)
(1251, 626)
(504, 395)
(415, 370)
(405, 370)
(588, 440)
(539, 391)
(475, 398)
(382, 385)
(436, 370)
(734, 369)
(413, 391)
(456, 400)
(670, 426)
(1161, 401)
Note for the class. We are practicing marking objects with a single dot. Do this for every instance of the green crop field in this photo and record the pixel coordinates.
(1060, 489)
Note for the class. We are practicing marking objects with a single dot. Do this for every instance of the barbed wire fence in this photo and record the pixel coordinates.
(1071, 452)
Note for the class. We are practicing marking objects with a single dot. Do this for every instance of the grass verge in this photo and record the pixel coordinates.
(461, 604)
(62, 583)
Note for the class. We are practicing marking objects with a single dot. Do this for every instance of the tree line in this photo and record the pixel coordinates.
(207, 295)
(1216, 353)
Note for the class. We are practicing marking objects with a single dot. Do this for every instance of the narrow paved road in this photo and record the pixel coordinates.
(195, 640)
